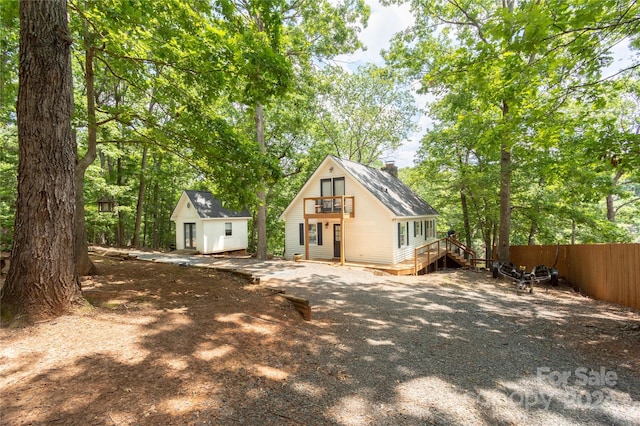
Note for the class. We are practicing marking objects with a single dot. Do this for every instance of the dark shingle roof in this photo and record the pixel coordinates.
(394, 194)
(209, 207)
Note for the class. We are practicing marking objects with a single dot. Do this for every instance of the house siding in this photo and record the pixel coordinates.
(215, 240)
(365, 241)
(186, 215)
(365, 237)
(406, 252)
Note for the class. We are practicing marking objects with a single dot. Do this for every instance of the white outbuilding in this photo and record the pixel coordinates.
(204, 225)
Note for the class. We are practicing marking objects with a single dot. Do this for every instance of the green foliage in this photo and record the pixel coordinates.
(506, 77)
(9, 187)
(363, 115)
(9, 39)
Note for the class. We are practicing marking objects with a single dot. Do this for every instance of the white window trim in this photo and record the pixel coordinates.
(313, 239)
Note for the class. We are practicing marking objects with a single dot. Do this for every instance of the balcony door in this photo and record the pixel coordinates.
(331, 188)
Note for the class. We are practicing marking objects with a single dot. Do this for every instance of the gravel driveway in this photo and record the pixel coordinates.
(454, 347)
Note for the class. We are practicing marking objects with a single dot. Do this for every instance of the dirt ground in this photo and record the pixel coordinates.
(156, 332)
(166, 344)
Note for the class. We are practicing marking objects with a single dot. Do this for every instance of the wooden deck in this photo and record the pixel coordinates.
(426, 258)
(403, 268)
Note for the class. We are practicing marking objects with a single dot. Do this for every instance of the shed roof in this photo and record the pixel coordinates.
(209, 207)
(391, 191)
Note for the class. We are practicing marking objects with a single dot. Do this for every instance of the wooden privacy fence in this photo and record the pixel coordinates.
(603, 271)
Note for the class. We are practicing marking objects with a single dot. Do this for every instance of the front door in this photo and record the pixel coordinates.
(189, 235)
(336, 240)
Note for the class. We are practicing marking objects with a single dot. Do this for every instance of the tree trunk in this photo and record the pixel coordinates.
(252, 235)
(140, 205)
(156, 206)
(611, 211)
(533, 230)
(84, 265)
(505, 194)
(465, 217)
(262, 199)
(42, 281)
(120, 240)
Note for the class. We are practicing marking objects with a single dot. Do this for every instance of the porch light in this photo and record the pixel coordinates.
(106, 205)
(326, 225)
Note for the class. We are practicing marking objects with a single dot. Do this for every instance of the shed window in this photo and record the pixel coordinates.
(227, 229)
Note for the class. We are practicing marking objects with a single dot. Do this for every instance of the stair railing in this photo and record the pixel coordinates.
(463, 250)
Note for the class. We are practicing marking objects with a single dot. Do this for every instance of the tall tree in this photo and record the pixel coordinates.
(42, 280)
(364, 115)
(291, 35)
(519, 59)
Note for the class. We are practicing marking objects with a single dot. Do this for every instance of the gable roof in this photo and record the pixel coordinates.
(389, 190)
(209, 207)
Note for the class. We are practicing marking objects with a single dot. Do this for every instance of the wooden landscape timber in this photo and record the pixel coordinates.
(301, 305)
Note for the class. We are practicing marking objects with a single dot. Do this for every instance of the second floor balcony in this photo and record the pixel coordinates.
(329, 207)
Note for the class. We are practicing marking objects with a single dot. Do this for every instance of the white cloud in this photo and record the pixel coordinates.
(384, 22)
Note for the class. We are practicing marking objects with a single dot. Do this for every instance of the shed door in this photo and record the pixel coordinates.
(189, 235)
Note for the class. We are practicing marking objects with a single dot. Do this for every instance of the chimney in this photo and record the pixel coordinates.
(390, 168)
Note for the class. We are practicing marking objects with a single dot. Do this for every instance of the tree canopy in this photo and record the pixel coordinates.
(505, 76)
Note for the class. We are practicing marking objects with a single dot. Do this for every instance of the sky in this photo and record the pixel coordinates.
(384, 22)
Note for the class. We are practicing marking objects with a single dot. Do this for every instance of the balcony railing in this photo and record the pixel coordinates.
(327, 207)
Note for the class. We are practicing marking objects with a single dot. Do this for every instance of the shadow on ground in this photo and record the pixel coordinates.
(174, 345)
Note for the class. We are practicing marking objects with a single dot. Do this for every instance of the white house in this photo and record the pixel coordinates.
(355, 213)
(204, 225)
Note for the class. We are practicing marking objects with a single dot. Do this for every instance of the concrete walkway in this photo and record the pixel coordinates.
(263, 269)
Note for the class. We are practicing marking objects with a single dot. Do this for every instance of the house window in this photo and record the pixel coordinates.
(227, 229)
(403, 234)
(313, 234)
(430, 229)
(407, 233)
(301, 233)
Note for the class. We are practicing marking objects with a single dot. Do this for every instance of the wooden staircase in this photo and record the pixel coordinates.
(459, 259)
(427, 256)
